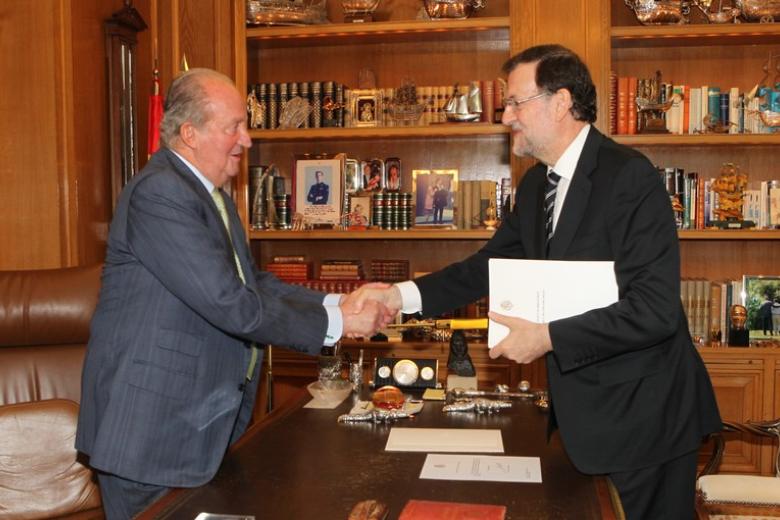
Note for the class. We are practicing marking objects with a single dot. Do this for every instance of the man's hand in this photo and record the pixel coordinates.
(365, 320)
(526, 342)
(386, 294)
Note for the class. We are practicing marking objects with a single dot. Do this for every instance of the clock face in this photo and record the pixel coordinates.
(427, 373)
(405, 372)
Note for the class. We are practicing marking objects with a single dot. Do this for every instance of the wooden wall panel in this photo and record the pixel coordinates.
(91, 175)
(205, 34)
(31, 144)
(53, 133)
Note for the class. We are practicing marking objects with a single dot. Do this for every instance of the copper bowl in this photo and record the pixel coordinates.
(759, 10)
(452, 9)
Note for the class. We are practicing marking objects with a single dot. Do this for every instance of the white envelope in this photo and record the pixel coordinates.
(545, 290)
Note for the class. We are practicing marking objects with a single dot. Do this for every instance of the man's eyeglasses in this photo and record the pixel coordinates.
(514, 104)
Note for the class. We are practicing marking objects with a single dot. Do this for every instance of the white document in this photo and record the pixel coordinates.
(445, 440)
(545, 290)
(482, 467)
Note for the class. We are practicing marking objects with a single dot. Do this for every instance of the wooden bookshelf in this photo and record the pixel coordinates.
(694, 35)
(443, 130)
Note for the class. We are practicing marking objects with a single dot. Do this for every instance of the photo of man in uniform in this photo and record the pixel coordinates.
(318, 193)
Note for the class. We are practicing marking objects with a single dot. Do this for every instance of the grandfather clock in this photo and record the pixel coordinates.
(121, 38)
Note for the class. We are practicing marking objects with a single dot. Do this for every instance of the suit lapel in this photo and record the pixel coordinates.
(200, 190)
(577, 197)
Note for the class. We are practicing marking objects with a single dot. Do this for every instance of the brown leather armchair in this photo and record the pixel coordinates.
(44, 329)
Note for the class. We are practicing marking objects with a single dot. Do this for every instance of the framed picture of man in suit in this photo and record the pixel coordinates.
(434, 195)
(318, 186)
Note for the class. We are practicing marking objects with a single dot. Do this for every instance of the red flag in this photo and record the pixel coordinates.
(155, 115)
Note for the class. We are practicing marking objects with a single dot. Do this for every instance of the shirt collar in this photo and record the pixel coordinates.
(206, 183)
(567, 163)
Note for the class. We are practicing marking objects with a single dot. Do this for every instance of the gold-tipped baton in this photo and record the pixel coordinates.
(445, 324)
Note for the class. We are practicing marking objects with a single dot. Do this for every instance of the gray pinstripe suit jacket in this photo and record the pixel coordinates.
(161, 395)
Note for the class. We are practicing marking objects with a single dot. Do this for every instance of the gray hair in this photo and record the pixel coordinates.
(187, 100)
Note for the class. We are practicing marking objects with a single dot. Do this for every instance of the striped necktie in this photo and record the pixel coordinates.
(220, 202)
(549, 202)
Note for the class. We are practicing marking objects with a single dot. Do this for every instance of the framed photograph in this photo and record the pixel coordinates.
(359, 212)
(434, 195)
(366, 107)
(762, 301)
(393, 174)
(317, 188)
(353, 180)
(373, 174)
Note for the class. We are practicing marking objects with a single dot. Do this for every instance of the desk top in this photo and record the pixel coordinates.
(302, 464)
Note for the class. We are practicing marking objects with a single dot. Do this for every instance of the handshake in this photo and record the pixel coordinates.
(369, 309)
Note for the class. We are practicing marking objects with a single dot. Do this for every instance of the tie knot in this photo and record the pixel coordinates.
(553, 177)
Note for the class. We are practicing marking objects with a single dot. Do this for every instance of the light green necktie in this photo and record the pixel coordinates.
(217, 196)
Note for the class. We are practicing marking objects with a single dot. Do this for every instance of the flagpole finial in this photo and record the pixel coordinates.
(184, 66)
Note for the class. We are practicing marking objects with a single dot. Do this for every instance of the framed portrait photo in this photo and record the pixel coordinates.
(366, 107)
(353, 178)
(762, 301)
(317, 186)
(373, 174)
(393, 174)
(434, 196)
(359, 212)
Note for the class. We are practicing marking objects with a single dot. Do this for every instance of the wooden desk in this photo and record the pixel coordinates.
(302, 464)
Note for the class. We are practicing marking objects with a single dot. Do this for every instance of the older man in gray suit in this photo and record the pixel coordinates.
(171, 370)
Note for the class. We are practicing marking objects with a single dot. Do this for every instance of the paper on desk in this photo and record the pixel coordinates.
(324, 404)
(482, 467)
(545, 290)
(445, 440)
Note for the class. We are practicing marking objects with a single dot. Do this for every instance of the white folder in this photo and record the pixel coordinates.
(545, 290)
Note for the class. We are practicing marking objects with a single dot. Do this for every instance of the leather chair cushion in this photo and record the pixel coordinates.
(39, 474)
(744, 489)
(38, 373)
(48, 306)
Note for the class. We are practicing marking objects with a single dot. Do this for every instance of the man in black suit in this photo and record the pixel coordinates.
(318, 193)
(629, 391)
(172, 365)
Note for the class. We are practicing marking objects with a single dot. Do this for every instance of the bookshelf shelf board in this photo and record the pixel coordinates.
(483, 234)
(729, 234)
(393, 132)
(374, 234)
(691, 35)
(699, 140)
(490, 28)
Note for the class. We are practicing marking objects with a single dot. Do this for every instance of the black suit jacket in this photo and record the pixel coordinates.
(163, 383)
(628, 387)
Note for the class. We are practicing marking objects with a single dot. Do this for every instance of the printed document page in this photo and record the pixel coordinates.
(545, 290)
(482, 467)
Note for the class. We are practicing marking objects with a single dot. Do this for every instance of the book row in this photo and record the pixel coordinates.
(318, 104)
(297, 269)
(648, 105)
(700, 203)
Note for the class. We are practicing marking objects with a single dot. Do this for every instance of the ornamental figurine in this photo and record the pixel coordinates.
(730, 187)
